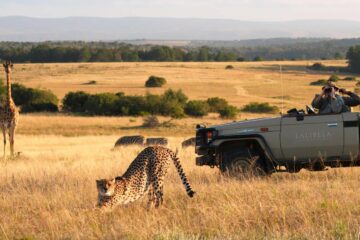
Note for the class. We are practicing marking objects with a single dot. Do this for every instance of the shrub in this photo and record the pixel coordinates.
(154, 81)
(32, 100)
(258, 59)
(130, 105)
(334, 78)
(92, 82)
(41, 101)
(216, 104)
(75, 101)
(151, 122)
(255, 107)
(173, 103)
(317, 67)
(229, 112)
(228, 67)
(101, 104)
(350, 79)
(197, 108)
(321, 82)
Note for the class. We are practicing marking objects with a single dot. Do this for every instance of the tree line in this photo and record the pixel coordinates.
(48, 53)
(78, 51)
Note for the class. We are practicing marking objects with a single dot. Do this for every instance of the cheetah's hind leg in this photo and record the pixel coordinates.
(158, 188)
(151, 195)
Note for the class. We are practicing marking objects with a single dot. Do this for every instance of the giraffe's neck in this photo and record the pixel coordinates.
(8, 84)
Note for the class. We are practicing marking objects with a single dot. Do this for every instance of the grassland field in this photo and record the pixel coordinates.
(49, 191)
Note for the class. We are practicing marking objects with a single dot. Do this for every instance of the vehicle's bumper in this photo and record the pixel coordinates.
(205, 160)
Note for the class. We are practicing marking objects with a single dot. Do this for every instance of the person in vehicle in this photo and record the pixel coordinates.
(328, 101)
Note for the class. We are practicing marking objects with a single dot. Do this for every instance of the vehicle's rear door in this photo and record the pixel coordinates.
(313, 136)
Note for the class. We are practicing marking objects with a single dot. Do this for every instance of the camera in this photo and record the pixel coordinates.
(327, 89)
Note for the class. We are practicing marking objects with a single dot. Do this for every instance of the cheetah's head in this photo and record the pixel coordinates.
(106, 187)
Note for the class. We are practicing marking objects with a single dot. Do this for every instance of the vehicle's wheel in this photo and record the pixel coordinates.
(242, 167)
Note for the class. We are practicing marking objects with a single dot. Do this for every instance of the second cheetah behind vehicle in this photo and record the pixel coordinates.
(144, 175)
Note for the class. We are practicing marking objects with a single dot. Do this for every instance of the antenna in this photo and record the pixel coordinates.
(282, 90)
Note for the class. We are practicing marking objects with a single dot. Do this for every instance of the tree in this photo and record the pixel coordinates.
(353, 56)
(203, 55)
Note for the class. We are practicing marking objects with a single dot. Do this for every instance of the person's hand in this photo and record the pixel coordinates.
(322, 92)
(333, 93)
(343, 91)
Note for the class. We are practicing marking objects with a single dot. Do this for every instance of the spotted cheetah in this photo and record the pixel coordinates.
(144, 175)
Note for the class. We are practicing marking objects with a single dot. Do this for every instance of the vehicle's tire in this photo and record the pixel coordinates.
(243, 167)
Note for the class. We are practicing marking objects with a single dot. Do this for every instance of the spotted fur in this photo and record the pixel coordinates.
(144, 175)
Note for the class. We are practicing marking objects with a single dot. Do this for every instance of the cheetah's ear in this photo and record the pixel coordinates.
(113, 181)
(98, 182)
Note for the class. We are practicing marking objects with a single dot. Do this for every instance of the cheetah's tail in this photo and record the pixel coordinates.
(181, 172)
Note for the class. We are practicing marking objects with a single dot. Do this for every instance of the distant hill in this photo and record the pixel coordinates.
(96, 29)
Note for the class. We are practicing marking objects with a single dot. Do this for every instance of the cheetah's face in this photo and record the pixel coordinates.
(106, 187)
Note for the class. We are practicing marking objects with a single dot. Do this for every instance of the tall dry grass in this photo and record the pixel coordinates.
(49, 193)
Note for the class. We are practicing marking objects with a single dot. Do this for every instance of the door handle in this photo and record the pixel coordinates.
(332, 124)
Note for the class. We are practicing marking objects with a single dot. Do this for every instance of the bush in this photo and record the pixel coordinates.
(334, 78)
(154, 81)
(350, 79)
(229, 112)
(151, 122)
(32, 100)
(171, 103)
(317, 67)
(101, 104)
(75, 101)
(258, 59)
(321, 82)
(92, 82)
(255, 107)
(197, 108)
(228, 67)
(216, 104)
(41, 101)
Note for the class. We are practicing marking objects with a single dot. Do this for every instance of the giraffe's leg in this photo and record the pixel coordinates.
(4, 135)
(11, 138)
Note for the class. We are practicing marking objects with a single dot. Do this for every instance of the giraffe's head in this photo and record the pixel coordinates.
(8, 66)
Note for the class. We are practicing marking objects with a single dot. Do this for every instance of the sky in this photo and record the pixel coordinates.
(250, 10)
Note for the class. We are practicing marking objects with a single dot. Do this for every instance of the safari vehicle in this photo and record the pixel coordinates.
(291, 142)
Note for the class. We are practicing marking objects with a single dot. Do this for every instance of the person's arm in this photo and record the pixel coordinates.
(352, 100)
(318, 100)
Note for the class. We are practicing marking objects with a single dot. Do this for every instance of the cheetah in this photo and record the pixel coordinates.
(144, 175)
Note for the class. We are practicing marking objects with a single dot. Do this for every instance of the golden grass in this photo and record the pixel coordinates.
(49, 193)
(248, 82)
(67, 125)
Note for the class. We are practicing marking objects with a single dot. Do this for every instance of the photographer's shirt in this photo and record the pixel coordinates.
(330, 105)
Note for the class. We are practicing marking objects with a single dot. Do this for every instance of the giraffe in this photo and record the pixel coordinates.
(9, 114)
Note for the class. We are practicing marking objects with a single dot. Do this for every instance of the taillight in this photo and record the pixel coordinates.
(210, 135)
